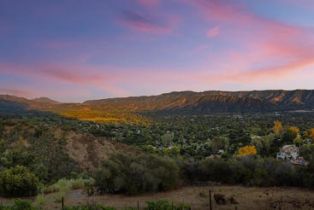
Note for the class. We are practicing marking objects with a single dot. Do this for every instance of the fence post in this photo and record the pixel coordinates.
(280, 203)
(210, 200)
(62, 202)
(138, 205)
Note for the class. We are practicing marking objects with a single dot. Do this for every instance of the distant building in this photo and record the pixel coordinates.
(292, 154)
(221, 152)
(288, 152)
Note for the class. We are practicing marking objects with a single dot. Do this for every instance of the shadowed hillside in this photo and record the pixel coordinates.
(215, 101)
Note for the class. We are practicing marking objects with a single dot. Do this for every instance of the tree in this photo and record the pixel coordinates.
(167, 138)
(247, 151)
(298, 140)
(172, 151)
(311, 133)
(17, 182)
(278, 129)
(263, 144)
(291, 134)
(307, 151)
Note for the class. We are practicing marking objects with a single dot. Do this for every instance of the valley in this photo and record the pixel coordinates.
(89, 151)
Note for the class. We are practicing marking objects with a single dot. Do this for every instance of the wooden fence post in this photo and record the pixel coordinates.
(210, 200)
(138, 205)
(280, 203)
(62, 202)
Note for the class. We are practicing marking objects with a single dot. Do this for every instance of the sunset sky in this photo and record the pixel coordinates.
(74, 50)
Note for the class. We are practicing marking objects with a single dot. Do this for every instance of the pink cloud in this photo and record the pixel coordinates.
(213, 32)
(235, 14)
(16, 92)
(279, 48)
(148, 24)
(87, 76)
(272, 73)
(121, 81)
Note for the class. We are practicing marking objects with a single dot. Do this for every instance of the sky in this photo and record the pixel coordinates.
(76, 50)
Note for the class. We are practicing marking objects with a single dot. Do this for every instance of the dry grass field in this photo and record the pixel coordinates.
(248, 198)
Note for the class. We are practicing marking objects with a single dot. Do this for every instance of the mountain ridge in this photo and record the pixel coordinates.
(282, 99)
(173, 103)
(45, 100)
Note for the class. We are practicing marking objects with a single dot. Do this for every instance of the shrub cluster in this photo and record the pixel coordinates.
(18, 181)
(137, 174)
(247, 171)
(18, 205)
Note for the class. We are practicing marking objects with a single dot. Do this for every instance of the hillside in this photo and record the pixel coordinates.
(57, 154)
(215, 101)
(53, 147)
(131, 109)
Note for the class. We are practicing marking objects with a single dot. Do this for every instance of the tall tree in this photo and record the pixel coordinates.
(278, 128)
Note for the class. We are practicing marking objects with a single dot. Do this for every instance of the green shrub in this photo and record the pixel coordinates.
(137, 174)
(18, 205)
(40, 201)
(165, 205)
(22, 205)
(18, 181)
(65, 185)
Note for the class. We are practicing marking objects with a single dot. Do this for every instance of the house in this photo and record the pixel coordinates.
(288, 152)
(221, 152)
(292, 154)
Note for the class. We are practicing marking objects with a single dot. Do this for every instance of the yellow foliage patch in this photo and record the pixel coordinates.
(277, 129)
(311, 133)
(294, 130)
(247, 150)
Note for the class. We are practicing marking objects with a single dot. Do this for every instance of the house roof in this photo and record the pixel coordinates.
(289, 149)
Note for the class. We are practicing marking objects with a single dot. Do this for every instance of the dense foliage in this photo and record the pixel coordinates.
(247, 171)
(18, 181)
(233, 149)
(18, 205)
(34, 143)
(137, 174)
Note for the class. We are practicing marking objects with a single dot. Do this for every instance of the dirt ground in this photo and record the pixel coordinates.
(247, 198)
